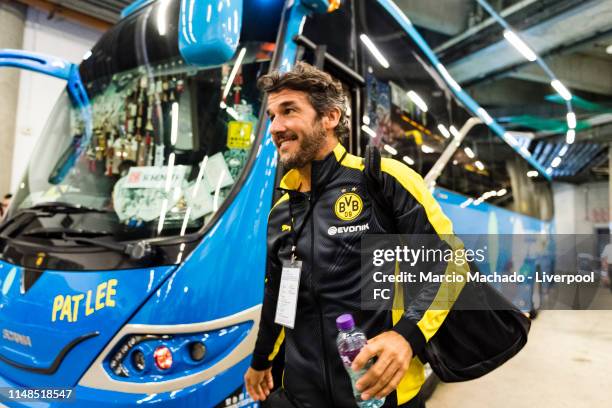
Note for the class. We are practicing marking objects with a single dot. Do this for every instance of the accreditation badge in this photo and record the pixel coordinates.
(286, 304)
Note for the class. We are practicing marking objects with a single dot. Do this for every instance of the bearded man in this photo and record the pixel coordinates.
(324, 190)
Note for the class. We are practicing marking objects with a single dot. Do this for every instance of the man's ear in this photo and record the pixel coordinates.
(331, 119)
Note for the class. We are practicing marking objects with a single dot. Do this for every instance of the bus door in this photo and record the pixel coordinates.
(328, 41)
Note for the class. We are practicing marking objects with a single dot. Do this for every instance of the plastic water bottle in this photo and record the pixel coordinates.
(350, 341)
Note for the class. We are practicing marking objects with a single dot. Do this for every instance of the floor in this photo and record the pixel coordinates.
(567, 362)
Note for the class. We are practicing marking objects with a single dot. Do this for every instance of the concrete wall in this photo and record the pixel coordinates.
(12, 23)
(38, 93)
(581, 209)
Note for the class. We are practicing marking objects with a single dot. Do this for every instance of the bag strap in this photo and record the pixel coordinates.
(374, 186)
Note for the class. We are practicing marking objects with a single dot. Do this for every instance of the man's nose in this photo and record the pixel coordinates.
(277, 126)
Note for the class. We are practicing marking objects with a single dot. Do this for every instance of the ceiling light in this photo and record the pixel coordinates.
(520, 45)
(525, 151)
(484, 115)
(466, 202)
(444, 131)
(427, 149)
(571, 136)
(449, 79)
(408, 160)
(469, 152)
(501, 192)
(609, 49)
(374, 50)
(561, 89)
(532, 173)
(368, 130)
(563, 151)
(454, 131)
(571, 120)
(232, 77)
(414, 97)
(510, 138)
(479, 165)
(556, 162)
(390, 149)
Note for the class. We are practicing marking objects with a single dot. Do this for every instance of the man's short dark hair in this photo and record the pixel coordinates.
(324, 92)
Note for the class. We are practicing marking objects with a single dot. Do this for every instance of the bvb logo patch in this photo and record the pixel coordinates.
(348, 206)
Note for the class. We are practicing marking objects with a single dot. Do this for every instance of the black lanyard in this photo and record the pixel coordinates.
(295, 235)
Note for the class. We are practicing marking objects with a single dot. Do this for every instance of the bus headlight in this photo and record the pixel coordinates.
(150, 359)
(143, 357)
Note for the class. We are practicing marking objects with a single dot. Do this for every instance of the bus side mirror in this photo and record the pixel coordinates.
(58, 68)
(209, 30)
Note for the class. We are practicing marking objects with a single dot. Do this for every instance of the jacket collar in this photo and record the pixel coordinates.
(321, 170)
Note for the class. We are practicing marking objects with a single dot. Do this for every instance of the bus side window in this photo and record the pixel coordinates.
(486, 169)
(403, 105)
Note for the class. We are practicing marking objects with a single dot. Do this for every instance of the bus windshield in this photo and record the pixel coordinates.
(169, 139)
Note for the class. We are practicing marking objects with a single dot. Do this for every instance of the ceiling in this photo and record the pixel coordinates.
(570, 36)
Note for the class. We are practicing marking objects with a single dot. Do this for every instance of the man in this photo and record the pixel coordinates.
(606, 265)
(325, 189)
(6, 202)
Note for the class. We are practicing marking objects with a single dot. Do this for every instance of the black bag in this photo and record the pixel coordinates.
(280, 399)
(474, 339)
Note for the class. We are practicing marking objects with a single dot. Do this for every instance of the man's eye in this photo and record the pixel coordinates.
(289, 110)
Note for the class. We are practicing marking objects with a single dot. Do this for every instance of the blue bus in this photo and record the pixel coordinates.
(133, 254)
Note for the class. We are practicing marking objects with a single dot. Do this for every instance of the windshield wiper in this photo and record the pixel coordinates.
(68, 208)
(60, 232)
(135, 250)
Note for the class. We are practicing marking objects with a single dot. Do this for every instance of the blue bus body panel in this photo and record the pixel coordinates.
(486, 218)
(44, 64)
(513, 242)
(100, 304)
(209, 30)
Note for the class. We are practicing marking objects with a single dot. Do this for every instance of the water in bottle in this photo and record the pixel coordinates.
(350, 341)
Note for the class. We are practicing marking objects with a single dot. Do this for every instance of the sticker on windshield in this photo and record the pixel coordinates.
(217, 173)
(199, 199)
(239, 134)
(155, 177)
(148, 203)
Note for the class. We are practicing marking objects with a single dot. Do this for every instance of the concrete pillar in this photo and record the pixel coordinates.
(12, 24)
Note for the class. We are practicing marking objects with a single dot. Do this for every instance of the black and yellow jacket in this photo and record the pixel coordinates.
(330, 281)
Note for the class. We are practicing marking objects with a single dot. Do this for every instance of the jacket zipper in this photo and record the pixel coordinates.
(314, 294)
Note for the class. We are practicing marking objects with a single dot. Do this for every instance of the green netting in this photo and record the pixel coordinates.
(544, 124)
(579, 102)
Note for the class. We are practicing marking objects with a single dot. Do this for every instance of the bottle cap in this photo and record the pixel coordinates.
(345, 322)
